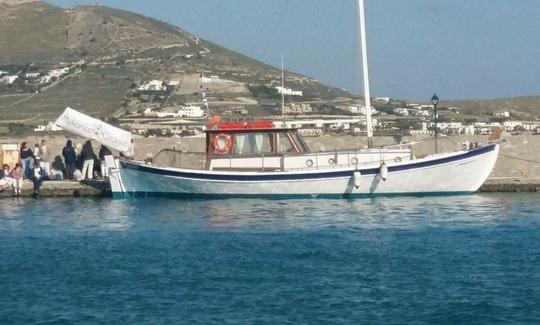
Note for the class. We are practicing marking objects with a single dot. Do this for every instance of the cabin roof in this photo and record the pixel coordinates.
(249, 130)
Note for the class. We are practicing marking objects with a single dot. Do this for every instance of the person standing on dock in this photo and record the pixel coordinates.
(104, 151)
(36, 153)
(88, 156)
(26, 156)
(45, 156)
(70, 157)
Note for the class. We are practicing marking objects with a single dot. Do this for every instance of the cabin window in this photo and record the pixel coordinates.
(300, 141)
(285, 144)
(252, 143)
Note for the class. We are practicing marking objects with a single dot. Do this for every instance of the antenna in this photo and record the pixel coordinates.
(367, 98)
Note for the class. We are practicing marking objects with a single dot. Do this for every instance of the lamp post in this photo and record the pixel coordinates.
(435, 102)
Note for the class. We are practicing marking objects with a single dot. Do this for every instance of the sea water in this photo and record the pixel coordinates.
(460, 260)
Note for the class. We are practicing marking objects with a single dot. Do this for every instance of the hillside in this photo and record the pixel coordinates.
(526, 108)
(108, 51)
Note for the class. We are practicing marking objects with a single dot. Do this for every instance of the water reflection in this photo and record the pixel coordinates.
(265, 215)
(402, 212)
(69, 214)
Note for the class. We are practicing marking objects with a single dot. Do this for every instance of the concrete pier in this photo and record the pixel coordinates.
(63, 189)
(510, 185)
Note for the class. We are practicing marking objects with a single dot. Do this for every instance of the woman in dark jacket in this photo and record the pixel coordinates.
(88, 156)
(26, 156)
(69, 159)
(104, 151)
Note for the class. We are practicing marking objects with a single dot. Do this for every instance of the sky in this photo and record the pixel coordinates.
(460, 49)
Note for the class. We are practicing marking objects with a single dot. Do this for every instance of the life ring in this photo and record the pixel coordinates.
(222, 143)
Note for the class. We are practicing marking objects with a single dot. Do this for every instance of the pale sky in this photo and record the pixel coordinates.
(457, 48)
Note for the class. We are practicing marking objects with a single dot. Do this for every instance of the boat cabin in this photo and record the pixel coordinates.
(253, 139)
(248, 143)
(258, 146)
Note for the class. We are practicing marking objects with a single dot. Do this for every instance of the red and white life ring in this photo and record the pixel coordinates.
(222, 143)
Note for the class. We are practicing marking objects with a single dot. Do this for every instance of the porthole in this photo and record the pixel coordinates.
(354, 161)
(397, 159)
(309, 163)
(331, 161)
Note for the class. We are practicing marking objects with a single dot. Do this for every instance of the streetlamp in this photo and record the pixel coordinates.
(435, 102)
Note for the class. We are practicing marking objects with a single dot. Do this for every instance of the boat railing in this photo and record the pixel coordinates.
(180, 159)
(283, 162)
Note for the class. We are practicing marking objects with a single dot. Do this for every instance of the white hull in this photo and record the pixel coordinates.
(459, 172)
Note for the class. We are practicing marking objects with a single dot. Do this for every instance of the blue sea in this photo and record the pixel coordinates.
(458, 260)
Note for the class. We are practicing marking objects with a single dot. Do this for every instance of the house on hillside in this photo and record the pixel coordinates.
(206, 80)
(9, 79)
(384, 100)
(401, 111)
(53, 75)
(298, 109)
(153, 85)
(289, 91)
(504, 114)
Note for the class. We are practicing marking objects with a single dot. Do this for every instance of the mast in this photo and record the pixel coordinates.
(367, 98)
(282, 91)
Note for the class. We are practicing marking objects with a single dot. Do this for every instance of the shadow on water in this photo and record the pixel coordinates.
(261, 215)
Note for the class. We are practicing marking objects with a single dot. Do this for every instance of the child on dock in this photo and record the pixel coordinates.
(17, 174)
(37, 177)
(5, 179)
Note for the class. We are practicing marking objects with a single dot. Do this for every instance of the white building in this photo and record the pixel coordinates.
(206, 80)
(289, 91)
(359, 110)
(401, 111)
(184, 111)
(298, 109)
(352, 109)
(9, 79)
(32, 75)
(511, 125)
(58, 72)
(382, 99)
(362, 110)
(2, 72)
(468, 130)
(153, 85)
(530, 125)
(51, 126)
(504, 114)
(191, 111)
(173, 83)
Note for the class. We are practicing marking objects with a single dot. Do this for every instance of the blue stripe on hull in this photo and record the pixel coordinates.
(302, 176)
(278, 196)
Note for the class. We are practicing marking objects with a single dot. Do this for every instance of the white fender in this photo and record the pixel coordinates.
(383, 170)
(356, 178)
